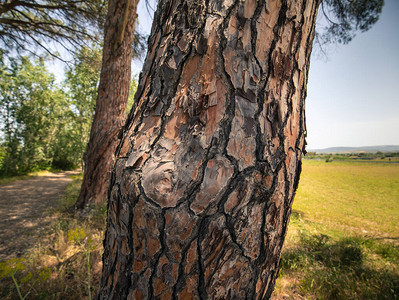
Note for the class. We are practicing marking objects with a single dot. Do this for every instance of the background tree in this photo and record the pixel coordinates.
(31, 108)
(71, 24)
(113, 94)
(81, 91)
(210, 156)
(45, 124)
(82, 79)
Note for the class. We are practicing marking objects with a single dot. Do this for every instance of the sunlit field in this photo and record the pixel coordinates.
(342, 242)
(343, 238)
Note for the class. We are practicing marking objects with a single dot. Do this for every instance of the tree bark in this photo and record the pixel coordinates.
(209, 161)
(113, 93)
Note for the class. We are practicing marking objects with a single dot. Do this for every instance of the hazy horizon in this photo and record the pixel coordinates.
(363, 146)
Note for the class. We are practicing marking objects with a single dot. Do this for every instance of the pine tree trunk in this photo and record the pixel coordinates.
(113, 93)
(209, 161)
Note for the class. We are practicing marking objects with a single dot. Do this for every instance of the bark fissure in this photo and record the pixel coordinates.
(158, 255)
(201, 268)
(191, 194)
(181, 275)
(130, 258)
(263, 90)
(137, 109)
(213, 147)
(260, 145)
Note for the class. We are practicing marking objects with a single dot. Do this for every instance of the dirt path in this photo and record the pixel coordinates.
(23, 206)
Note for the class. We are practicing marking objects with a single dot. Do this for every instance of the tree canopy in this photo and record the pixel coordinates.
(29, 24)
(32, 111)
(345, 18)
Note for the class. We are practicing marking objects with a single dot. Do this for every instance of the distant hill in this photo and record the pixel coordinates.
(368, 149)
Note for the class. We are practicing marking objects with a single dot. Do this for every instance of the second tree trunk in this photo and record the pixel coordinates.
(113, 93)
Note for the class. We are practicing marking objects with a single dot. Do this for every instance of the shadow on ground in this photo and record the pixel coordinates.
(23, 207)
(346, 268)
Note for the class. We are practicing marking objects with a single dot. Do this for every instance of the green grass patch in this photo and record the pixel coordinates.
(353, 197)
(343, 241)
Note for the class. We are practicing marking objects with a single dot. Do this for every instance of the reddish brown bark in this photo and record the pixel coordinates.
(209, 161)
(113, 93)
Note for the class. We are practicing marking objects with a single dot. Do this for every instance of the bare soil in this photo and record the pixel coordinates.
(24, 210)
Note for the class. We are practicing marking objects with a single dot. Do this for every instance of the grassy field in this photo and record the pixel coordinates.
(343, 238)
(342, 242)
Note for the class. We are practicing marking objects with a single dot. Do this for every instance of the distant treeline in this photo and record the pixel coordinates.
(362, 156)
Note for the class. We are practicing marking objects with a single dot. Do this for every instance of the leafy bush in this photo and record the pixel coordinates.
(64, 164)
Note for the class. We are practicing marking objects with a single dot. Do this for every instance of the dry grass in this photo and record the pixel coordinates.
(8, 179)
(63, 254)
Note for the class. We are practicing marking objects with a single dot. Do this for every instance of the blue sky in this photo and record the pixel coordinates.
(352, 95)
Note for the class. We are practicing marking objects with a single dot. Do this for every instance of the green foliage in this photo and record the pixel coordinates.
(81, 88)
(345, 18)
(44, 124)
(27, 25)
(31, 108)
(356, 156)
(2, 156)
(11, 267)
(132, 92)
(329, 158)
(82, 80)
